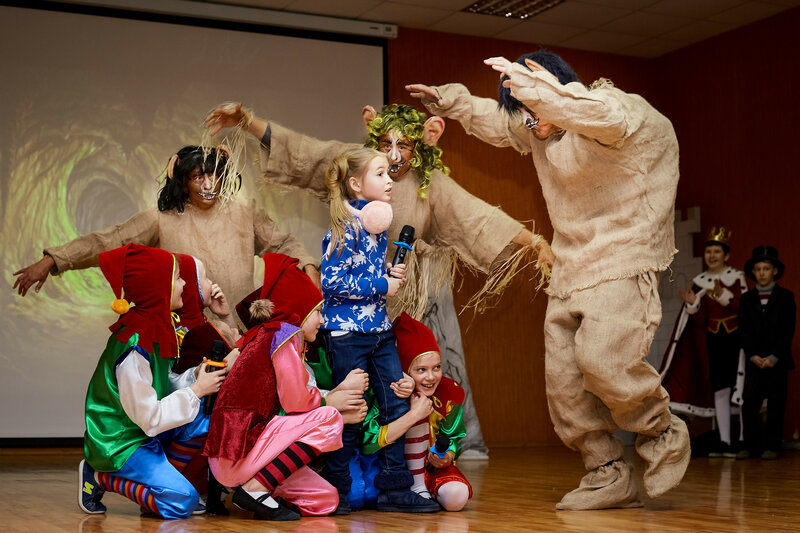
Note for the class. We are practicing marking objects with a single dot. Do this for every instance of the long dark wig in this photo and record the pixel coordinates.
(174, 194)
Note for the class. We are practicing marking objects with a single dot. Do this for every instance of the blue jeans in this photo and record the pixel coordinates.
(376, 354)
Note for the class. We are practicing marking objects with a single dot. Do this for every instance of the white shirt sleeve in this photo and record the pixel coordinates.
(140, 401)
(180, 381)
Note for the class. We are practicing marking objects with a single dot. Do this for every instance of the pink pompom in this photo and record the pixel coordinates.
(376, 217)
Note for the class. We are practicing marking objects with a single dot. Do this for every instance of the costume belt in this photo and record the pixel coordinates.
(730, 323)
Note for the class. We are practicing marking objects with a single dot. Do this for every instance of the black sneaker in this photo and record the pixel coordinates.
(405, 501)
(261, 506)
(89, 494)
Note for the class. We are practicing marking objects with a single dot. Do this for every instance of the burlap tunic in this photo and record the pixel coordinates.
(609, 182)
(225, 237)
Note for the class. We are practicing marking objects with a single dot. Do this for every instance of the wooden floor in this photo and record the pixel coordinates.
(516, 490)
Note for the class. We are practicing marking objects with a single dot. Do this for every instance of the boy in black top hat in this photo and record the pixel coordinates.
(766, 323)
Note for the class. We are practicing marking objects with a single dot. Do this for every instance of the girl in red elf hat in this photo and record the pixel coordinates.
(194, 330)
(196, 336)
(434, 423)
(135, 405)
(249, 447)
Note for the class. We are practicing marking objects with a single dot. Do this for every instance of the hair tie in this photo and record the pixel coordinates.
(171, 165)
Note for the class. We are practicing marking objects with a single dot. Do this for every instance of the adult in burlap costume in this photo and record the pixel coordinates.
(607, 162)
(449, 221)
(224, 235)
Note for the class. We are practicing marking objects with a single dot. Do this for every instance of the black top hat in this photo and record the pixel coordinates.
(763, 253)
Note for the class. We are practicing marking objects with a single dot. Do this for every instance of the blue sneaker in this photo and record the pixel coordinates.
(89, 494)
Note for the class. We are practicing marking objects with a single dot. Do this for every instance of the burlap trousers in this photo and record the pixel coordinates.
(597, 376)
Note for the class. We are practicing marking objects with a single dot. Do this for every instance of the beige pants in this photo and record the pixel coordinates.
(598, 379)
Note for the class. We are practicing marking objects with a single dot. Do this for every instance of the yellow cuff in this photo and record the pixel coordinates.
(382, 442)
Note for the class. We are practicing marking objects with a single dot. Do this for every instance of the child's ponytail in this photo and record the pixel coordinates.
(341, 218)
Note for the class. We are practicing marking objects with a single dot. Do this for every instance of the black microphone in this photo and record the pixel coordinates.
(216, 361)
(439, 448)
(403, 244)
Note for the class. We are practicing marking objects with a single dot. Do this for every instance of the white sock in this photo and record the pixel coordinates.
(416, 452)
(453, 495)
(722, 407)
(268, 501)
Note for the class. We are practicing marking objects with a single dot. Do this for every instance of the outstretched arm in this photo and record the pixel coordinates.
(141, 228)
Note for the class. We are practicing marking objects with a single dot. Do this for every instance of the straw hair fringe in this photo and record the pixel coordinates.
(426, 273)
(501, 275)
(235, 143)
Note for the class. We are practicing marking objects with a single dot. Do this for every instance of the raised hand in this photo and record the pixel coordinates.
(500, 64)
(224, 117)
(424, 93)
(688, 295)
(219, 304)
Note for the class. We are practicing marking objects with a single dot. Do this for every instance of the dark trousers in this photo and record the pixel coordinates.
(723, 358)
(376, 354)
(761, 383)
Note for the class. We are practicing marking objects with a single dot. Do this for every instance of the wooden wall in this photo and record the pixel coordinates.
(733, 101)
(505, 348)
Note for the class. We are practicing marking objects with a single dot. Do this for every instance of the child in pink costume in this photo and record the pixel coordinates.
(248, 445)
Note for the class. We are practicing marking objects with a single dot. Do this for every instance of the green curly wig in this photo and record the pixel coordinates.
(409, 123)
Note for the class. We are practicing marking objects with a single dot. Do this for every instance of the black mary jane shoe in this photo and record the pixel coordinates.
(243, 500)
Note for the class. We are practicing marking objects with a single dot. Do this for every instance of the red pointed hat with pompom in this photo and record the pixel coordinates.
(413, 339)
(141, 278)
(287, 295)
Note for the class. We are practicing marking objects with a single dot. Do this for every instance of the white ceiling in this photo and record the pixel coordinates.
(643, 28)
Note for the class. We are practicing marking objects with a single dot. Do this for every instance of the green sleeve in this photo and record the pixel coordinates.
(322, 369)
(371, 428)
(453, 426)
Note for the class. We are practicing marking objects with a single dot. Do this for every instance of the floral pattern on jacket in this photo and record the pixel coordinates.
(353, 282)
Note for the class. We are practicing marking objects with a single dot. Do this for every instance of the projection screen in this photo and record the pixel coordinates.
(91, 109)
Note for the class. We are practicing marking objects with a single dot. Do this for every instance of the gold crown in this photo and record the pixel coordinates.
(718, 236)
